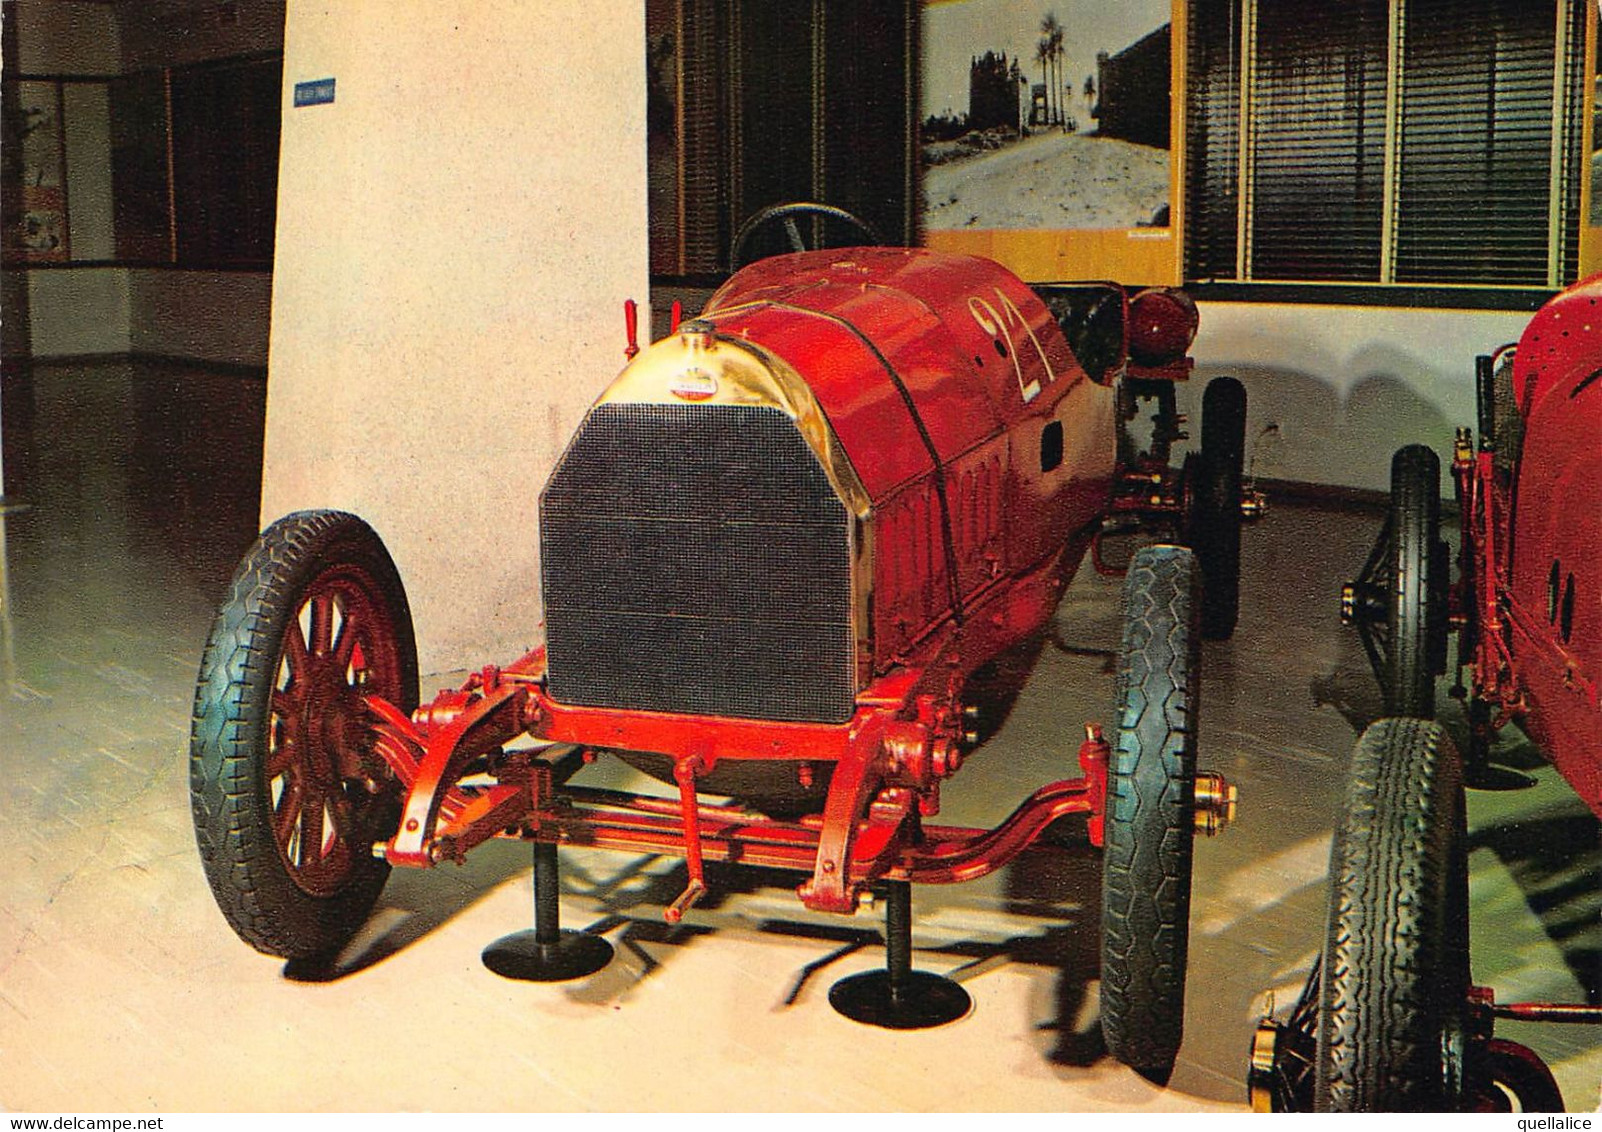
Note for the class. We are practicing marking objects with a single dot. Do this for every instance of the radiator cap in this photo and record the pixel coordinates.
(697, 334)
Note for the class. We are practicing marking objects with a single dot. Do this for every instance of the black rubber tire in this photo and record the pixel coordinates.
(777, 212)
(1150, 817)
(1396, 962)
(1416, 614)
(313, 905)
(1215, 515)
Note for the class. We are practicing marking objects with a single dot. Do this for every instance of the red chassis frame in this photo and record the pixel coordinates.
(888, 761)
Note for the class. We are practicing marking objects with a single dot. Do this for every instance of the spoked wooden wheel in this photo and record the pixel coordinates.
(339, 646)
(1399, 603)
(1279, 1077)
(288, 796)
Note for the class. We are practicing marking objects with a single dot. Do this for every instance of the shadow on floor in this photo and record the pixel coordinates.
(1561, 881)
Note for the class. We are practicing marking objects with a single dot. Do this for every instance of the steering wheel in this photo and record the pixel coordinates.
(787, 214)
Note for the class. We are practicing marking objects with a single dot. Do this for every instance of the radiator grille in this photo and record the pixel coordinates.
(695, 558)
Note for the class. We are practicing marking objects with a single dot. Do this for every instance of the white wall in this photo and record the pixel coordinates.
(1333, 391)
(76, 311)
(91, 227)
(208, 316)
(456, 235)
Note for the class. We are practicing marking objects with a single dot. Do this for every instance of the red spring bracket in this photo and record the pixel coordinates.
(1094, 754)
(631, 324)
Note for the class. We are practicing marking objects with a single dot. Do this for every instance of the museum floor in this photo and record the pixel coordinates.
(121, 987)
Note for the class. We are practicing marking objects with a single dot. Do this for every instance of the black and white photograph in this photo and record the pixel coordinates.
(1046, 114)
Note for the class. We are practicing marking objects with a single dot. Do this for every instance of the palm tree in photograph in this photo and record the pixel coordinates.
(1043, 57)
(1051, 32)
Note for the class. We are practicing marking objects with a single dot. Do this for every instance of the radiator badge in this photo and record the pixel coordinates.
(694, 385)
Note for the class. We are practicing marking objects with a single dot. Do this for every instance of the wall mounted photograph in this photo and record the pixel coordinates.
(39, 234)
(1045, 114)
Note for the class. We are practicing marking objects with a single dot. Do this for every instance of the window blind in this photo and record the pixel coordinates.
(1318, 155)
(1433, 142)
(775, 101)
(1476, 141)
(1212, 125)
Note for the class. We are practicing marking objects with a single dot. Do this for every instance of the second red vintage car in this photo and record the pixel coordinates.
(1391, 1019)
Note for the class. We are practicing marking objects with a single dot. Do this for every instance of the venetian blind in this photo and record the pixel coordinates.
(1318, 144)
(1386, 141)
(1212, 125)
(1477, 100)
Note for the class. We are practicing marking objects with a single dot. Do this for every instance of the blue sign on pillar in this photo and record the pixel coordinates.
(314, 93)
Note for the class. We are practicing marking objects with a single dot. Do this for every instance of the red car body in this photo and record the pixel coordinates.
(1533, 544)
(964, 461)
(795, 560)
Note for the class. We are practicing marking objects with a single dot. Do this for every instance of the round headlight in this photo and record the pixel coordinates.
(1162, 324)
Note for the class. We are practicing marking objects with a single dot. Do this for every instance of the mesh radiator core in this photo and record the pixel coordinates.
(696, 559)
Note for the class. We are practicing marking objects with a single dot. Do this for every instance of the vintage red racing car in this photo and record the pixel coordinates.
(783, 558)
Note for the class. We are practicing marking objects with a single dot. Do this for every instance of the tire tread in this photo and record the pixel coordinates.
(1391, 948)
(1150, 798)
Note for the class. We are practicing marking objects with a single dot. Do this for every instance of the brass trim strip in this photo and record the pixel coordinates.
(1247, 142)
(1558, 173)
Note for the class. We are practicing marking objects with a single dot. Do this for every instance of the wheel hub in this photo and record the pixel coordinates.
(1363, 603)
(335, 726)
(1216, 799)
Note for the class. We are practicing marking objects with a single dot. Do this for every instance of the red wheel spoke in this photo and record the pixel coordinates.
(322, 624)
(343, 815)
(348, 644)
(311, 828)
(286, 725)
(280, 757)
(295, 652)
